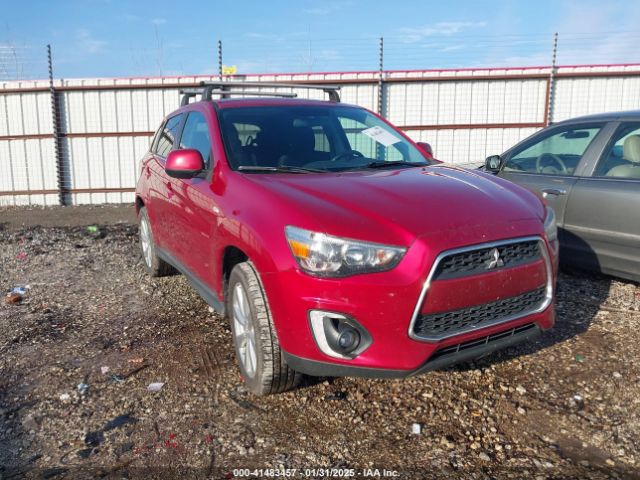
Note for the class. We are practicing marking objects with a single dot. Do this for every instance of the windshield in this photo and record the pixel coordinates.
(317, 138)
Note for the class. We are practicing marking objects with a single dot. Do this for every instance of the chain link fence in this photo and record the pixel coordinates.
(79, 141)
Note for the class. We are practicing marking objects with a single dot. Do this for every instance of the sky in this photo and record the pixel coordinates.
(110, 38)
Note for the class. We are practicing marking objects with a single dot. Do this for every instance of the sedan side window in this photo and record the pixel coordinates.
(168, 136)
(557, 153)
(196, 135)
(621, 158)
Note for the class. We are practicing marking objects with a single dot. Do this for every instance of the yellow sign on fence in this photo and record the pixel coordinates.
(229, 69)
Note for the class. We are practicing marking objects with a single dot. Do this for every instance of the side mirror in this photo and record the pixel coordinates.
(426, 148)
(185, 163)
(493, 163)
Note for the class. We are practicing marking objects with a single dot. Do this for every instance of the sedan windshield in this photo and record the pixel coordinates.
(312, 139)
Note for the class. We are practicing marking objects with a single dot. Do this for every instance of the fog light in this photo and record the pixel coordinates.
(348, 340)
(337, 335)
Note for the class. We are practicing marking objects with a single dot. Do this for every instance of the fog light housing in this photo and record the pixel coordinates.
(338, 335)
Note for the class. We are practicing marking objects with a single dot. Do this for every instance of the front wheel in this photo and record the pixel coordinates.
(257, 349)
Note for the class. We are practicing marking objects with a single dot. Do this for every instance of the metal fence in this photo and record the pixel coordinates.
(79, 141)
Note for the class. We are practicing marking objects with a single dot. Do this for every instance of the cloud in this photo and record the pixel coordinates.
(266, 36)
(158, 21)
(328, 8)
(452, 48)
(416, 34)
(585, 37)
(87, 43)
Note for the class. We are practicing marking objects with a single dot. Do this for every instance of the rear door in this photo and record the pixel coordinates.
(161, 194)
(550, 162)
(602, 219)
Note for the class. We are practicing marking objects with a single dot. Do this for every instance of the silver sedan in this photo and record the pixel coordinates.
(588, 170)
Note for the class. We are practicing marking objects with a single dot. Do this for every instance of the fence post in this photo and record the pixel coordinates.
(551, 96)
(57, 146)
(381, 80)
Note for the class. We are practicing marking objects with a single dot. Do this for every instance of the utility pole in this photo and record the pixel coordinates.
(552, 81)
(220, 58)
(57, 146)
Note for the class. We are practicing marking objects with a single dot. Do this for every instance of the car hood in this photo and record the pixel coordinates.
(395, 205)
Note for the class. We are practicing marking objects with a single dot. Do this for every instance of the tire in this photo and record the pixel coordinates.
(154, 265)
(268, 372)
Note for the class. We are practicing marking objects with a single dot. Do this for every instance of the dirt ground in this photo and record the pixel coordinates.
(566, 406)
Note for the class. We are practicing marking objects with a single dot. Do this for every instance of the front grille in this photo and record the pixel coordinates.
(484, 260)
(461, 347)
(446, 324)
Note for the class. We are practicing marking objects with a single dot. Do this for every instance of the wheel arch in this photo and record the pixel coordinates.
(231, 256)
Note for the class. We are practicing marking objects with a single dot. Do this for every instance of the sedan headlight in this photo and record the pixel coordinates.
(328, 256)
(550, 226)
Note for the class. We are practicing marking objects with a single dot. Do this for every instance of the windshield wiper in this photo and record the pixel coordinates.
(281, 169)
(395, 164)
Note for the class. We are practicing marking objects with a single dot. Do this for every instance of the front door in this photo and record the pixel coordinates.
(549, 163)
(195, 208)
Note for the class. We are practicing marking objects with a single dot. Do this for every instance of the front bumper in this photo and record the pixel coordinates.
(384, 305)
(471, 351)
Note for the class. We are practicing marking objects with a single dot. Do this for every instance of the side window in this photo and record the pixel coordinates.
(322, 141)
(155, 138)
(247, 133)
(621, 158)
(168, 136)
(557, 153)
(195, 134)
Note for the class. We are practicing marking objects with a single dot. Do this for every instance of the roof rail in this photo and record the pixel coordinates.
(224, 89)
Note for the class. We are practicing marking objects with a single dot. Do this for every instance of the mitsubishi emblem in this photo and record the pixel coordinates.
(494, 261)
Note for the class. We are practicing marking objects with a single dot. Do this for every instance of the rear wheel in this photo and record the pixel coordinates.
(257, 349)
(154, 265)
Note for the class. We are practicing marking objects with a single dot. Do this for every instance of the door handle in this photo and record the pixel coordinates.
(553, 191)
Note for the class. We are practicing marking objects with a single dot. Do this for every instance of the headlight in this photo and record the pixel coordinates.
(328, 256)
(550, 226)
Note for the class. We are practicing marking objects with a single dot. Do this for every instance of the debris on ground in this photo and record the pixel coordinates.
(336, 396)
(21, 290)
(416, 428)
(155, 387)
(13, 298)
(82, 388)
(104, 369)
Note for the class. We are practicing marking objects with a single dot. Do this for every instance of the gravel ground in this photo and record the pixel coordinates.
(567, 406)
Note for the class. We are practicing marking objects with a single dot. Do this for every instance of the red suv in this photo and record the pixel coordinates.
(334, 244)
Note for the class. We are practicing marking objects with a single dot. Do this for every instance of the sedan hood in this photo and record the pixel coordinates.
(402, 203)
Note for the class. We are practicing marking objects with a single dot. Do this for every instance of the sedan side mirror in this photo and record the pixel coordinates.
(493, 163)
(185, 163)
